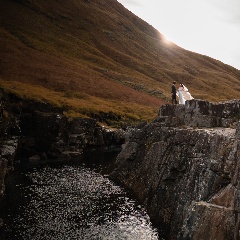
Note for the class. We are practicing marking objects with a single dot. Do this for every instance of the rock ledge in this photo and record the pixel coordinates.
(185, 168)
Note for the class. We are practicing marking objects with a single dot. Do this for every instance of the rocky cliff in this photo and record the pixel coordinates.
(185, 168)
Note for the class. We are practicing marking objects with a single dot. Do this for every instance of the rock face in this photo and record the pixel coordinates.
(185, 168)
(44, 132)
(8, 149)
(199, 113)
(52, 135)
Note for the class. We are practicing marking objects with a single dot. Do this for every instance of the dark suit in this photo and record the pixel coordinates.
(174, 97)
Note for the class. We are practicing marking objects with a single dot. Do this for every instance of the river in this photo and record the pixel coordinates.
(71, 200)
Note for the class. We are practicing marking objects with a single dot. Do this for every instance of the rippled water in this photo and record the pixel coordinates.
(72, 202)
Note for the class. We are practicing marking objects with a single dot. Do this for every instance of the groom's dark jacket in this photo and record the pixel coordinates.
(173, 89)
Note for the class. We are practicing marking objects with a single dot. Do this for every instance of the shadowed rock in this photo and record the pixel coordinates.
(188, 177)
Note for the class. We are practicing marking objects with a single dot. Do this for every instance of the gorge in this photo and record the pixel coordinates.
(183, 166)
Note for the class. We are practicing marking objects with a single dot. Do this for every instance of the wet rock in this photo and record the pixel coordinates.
(70, 154)
(3, 171)
(8, 148)
(35, 158)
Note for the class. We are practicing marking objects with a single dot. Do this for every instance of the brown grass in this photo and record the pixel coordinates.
(78, 104)
(97, 56)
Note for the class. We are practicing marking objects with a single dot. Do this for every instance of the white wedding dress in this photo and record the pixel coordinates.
(183, 95)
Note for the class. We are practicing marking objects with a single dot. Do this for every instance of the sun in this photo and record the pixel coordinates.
(166, 40)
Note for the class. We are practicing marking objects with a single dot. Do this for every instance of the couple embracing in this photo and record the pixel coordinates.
(182, 93)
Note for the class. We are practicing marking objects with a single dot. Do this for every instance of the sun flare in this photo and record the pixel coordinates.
(166, 40)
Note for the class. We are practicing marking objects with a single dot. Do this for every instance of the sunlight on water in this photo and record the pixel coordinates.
(76, 203)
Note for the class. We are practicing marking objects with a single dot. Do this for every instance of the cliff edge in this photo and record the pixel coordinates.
(185, 168)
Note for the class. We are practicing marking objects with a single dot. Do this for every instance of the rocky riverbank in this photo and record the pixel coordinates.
(185, 166)
(34, 131)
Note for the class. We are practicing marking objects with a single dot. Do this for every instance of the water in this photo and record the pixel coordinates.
(71, 201)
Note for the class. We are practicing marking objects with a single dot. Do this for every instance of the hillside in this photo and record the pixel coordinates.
(94, 57)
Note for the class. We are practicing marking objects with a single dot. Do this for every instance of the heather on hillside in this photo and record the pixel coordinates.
(96, 57)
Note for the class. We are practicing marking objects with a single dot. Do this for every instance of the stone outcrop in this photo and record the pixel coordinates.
(7, 155)
(185, 168)
(44, 132)
(52, 135)
(199, 113)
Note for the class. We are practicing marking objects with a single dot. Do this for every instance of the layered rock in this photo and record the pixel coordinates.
(8, 149)
(185, 168)
(199, 113)
(44, 132)
(52, 135)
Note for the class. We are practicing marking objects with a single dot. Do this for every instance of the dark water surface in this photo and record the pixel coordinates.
(72, 200)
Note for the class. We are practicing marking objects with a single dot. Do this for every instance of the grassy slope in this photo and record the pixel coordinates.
(97, 56)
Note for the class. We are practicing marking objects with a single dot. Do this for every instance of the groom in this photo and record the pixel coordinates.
(174, 93)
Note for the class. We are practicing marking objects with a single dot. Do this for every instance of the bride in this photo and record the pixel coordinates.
(183, 94)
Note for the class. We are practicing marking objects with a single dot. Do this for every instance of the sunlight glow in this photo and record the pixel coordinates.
(209, 27)
(166, 40)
